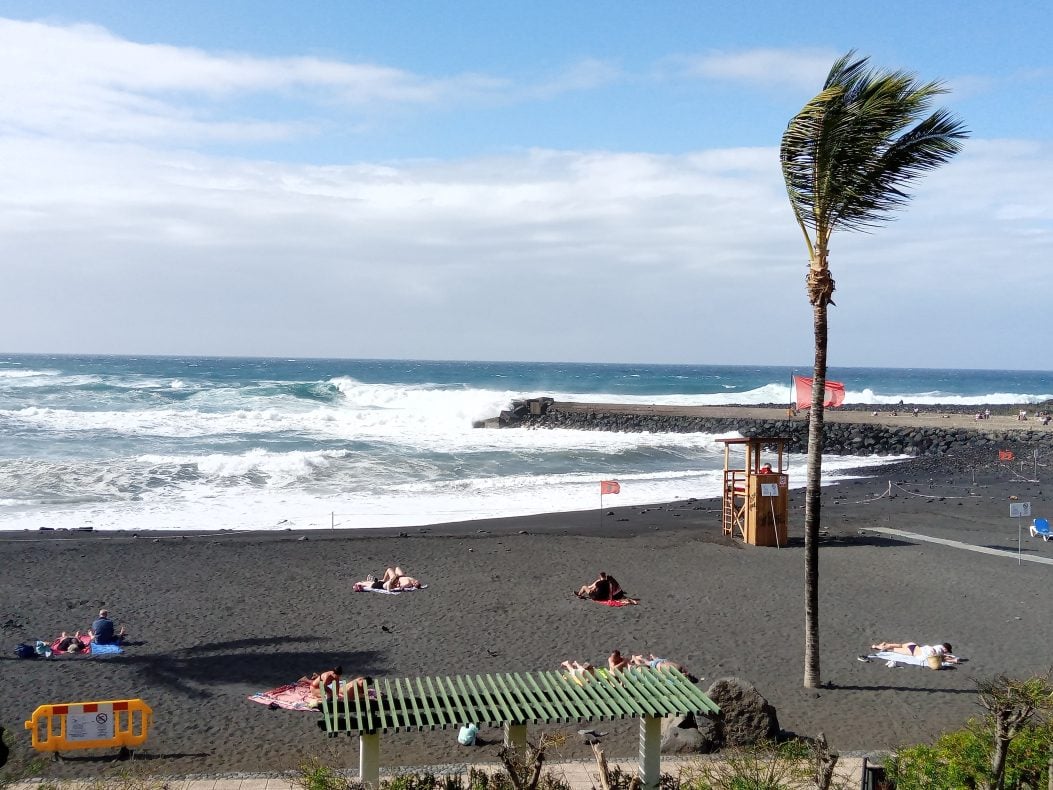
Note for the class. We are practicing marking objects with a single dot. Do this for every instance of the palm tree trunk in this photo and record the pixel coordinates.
(813, 500)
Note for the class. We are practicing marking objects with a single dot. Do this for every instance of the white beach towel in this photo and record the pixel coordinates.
(898, 658)
(382, 591)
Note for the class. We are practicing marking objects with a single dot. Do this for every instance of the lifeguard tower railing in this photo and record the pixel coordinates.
(514, 700)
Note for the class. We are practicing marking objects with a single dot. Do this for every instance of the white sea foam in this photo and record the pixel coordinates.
(213, 507)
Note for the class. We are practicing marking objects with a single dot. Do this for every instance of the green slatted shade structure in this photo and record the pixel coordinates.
(514, 700)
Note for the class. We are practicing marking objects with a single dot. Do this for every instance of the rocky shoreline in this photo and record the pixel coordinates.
(950, 434)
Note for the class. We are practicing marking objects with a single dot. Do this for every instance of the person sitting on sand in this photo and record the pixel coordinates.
(944, 651)
(102, 631)
(616, 661)
(605, 588)
(328, 680)
(578, 669)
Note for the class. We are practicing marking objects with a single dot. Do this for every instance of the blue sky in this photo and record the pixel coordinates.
(566, 181)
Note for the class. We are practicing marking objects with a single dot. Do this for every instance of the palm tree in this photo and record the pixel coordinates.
(847, 157)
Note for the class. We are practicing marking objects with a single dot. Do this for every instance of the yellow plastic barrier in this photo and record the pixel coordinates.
(90, 725)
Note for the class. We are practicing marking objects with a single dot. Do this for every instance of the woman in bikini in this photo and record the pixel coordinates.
(921, 651)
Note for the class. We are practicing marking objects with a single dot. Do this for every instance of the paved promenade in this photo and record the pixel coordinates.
(580, 775)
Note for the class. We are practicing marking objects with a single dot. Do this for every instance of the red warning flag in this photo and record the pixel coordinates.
(610, 487)
(1005, 455)
(834, 395)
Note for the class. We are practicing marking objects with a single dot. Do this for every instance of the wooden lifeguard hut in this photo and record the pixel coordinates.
(754, 497)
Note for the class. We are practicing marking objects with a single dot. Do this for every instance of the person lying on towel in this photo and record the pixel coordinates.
(393, 579)
(921, 651)
(654, 662)
(577, 669)
(71, 644)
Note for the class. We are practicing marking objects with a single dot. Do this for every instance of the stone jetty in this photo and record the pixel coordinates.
(859, 430)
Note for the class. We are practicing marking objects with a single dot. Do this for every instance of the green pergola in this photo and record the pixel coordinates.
(514, 700)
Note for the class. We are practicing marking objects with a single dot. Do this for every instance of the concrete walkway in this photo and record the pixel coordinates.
(580, 775)
(957, 544)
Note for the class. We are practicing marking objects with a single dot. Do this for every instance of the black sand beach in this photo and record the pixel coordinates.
(214, 618)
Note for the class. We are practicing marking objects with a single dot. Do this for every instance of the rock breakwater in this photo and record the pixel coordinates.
(925, 433)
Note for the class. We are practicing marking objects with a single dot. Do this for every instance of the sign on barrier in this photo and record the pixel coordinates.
(90, 725)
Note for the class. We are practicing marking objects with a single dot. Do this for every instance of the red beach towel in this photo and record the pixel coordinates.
(84, 640)
(292, 696)
(619, 602)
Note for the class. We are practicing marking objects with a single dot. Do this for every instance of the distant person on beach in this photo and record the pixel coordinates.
(329, 680)
(944, 651)
(357, 687)
(654, 662)
(102, 630)
(605, 588)
(616, 661)
(70, 644)
(397, 579)
(578, 669)
(765, 469)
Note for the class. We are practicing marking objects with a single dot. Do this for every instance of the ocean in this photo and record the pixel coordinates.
(166, 443)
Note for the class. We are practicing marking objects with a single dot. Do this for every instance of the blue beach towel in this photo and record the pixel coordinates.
(103, 650)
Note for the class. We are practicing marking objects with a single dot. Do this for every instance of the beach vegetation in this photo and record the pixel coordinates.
(847, 158)
(20, 763)
(767, 766)
(1010, 746)
(312, 773)
(962, 758)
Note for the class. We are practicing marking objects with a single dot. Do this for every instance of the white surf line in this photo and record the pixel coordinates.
(957, 544)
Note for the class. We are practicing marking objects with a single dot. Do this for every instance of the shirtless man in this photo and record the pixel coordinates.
(616, 661)
(396, 579)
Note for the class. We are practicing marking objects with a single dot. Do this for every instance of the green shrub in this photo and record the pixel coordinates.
(962, 758)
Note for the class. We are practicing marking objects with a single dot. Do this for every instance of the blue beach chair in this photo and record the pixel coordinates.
(1040, 526)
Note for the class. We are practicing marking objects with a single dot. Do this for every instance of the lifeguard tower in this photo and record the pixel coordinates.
(755, 498)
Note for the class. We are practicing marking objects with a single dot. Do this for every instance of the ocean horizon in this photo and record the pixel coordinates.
(178, 442)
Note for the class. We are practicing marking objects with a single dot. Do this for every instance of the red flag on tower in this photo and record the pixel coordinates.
(802, 388)
(609, 487)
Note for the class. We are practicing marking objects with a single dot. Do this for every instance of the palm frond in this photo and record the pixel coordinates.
(849, 154)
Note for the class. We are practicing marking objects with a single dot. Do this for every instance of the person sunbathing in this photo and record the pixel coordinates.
(605, 588)
(357, 687)
(944, 651)
(70, 644)
(616, 661)
(576, 669)
(397, 579)
(329, 680)
(654, 662)
(102, 630)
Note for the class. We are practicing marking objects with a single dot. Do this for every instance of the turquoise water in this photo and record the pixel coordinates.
(180, 442)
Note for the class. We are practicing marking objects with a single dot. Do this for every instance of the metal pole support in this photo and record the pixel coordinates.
(650, 751)
(369, 759)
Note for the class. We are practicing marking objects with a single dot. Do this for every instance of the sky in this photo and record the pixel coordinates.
(486, 180)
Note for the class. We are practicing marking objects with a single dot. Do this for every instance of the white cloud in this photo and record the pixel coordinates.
(780, 68)
(534, 255)
(81, 81)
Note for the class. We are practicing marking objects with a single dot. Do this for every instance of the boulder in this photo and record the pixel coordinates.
(747, 718)
(685, 735)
